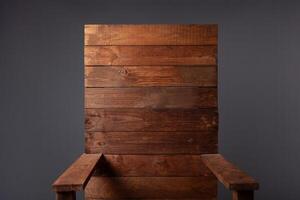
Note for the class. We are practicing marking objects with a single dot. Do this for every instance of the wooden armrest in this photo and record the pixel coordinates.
(228, 174)
(78, 174)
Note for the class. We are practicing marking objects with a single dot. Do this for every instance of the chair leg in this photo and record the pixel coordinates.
(242, 195)
(66, 195)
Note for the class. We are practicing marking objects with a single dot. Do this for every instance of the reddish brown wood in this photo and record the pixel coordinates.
(243, 195)
(151, 187)
(228, 174)
(66, 195)
(151, 100)
(151, 142)
(151, 91)
(102, 34)
(152, 97)
(152, 166)
(77, 175)
(146, 76)
(150, 120)
(87, 198)
(150, 55)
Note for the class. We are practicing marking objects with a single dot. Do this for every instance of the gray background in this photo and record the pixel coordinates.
(41, 86)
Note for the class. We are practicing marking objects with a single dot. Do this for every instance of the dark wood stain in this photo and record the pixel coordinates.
(150, 55)
(147, 76)
(228, 174)
(151, 34)
(151, 97)
(77, 175)
(151, 142)
(152, 166)
(151, 108)
(151, 187)
(135, 119)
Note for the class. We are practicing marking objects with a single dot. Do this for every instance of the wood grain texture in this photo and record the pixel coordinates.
(152, 166)
(150, 120)
(151, 34)
(151, 142)
(228, 174)
(150, 55)
(162, 97)
(77, 175)
(151, 108)
(145, 76)
(151, 187)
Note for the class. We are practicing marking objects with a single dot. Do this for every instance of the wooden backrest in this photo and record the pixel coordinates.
(151, 108)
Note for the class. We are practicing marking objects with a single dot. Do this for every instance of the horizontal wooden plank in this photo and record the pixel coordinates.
(158, 97)
(89, 198)
(150, 55)
(150, 120)
(152, 166)
(137, 76)
(151, 149)
(164, 34)
(232, 177)
(78, 174)
(151, 187)
(151, 142)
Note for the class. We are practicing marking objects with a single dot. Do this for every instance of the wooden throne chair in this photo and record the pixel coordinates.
(151, 117)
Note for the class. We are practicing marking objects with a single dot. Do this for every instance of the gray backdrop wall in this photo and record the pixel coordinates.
(41, 86)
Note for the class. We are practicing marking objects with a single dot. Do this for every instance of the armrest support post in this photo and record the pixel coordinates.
(243, 195)
(71, 195)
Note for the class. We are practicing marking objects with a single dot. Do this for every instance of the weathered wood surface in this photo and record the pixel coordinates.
(152, 166)
(228, 174)
(181, 34)
(151, 142)
(145, 76)
(151, 107)
(150, 55)
(152, 97)
(150, 120)
(77, 175)
(151, 187)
